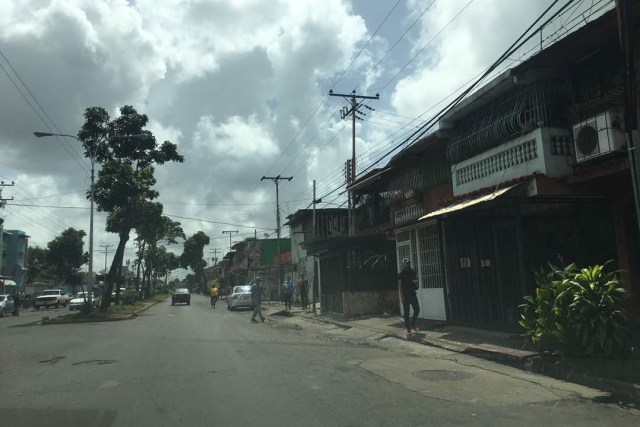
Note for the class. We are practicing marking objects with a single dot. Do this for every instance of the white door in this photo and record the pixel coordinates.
(430, 273)
(403, 249)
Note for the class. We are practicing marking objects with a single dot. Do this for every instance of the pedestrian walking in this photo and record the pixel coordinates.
(303, 289)
(288, 291)
(257, 291)
(214, 295)
(408, 285)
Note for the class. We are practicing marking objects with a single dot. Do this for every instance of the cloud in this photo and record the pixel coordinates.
(240, 86)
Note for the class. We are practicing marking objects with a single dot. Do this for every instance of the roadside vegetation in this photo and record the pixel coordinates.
(128, 155)
(577, 311)
(577, 320)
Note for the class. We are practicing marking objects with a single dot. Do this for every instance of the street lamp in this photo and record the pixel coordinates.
(92, 157)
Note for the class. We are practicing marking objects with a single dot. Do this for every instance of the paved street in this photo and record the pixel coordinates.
(194, 365)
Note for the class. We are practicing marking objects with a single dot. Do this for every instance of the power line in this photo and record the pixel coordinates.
(431, 122)
(215, 222)
(366, 44)
(425, 46)
(395, 44)
(69, 150)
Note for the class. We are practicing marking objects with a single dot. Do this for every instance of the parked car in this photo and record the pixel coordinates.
(181, 295)
(51, 298)
(6, 305)
(240, 297)
(79, 299)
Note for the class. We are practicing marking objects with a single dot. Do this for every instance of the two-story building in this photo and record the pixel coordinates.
(529, 170)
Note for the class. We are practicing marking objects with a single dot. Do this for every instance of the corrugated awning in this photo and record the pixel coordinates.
(468, 203)
(368, 180)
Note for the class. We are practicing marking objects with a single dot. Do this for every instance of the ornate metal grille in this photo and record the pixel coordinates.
(520, 111)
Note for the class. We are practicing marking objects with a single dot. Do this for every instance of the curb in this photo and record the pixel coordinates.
(140, 310)
(520, 359)
(73, 320)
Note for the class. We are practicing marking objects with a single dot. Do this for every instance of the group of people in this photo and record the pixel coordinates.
(289, 291)
(407, 285)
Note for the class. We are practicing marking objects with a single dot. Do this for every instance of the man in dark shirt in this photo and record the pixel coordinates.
(303, 289)
(407, 282)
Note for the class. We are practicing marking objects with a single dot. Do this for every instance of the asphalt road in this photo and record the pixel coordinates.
(195, 366)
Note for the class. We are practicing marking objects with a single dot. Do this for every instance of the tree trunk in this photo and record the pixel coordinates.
(114, 269)
(140, 256)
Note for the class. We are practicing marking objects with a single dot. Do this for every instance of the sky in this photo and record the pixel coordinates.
(241, 86)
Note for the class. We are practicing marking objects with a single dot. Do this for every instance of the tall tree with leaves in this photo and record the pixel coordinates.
(153, 230)
(124, 188)
(65, 256)
(193, 256)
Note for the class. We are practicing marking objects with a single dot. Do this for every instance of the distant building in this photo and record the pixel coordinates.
(14, 255)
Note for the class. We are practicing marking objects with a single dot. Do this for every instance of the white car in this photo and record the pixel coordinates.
(240, 297)
(6, 305)
(79, 299)
(51, 298)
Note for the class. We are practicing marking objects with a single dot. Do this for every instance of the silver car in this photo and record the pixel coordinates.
(6, 305)
(80, 298)
(240, 297)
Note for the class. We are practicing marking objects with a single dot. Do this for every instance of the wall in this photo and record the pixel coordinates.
(370, 302)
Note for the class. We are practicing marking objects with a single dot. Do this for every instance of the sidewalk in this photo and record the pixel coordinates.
(620, 377)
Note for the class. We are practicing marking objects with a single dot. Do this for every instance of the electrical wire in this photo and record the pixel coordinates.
(395, 44)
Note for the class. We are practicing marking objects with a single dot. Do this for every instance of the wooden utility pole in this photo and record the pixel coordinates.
(355, 102)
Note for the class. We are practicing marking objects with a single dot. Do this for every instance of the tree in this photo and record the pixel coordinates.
(153, 230)
(193, 256)
(124, 188)
(65, 256)
(37, 264)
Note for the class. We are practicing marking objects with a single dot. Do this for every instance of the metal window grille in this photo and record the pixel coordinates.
(430, 259)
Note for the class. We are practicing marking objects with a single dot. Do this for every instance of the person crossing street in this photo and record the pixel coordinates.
(257, 292)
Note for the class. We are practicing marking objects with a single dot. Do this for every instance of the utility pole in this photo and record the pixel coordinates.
(356, 102)
(276, 180)
(215, 252)
(2, 200)
(106, 252)
(314, 234)
(230, 233)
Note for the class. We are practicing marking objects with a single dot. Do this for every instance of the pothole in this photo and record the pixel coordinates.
(443, 375)
(96, 362)
(54, 360)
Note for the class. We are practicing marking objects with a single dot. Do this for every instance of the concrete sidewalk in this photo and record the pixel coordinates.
(497, 346)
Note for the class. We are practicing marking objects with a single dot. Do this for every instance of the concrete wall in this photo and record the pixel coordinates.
(370, 302)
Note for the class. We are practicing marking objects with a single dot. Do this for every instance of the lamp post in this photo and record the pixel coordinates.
(92, 157)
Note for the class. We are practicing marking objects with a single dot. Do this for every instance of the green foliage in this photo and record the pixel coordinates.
(193, 256)
(124, 189)
(38, 266)
(576, 311)
(65, 256)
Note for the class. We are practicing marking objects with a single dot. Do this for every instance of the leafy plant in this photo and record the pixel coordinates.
(576, 310)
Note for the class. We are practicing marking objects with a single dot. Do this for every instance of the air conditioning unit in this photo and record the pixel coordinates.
(598, 136)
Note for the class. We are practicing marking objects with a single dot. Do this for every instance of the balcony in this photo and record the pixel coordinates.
(544, 151)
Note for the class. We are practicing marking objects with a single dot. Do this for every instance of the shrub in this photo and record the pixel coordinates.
(576, 311)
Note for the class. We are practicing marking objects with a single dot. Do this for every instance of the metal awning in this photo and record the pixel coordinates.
(368, 180)
(468, 203)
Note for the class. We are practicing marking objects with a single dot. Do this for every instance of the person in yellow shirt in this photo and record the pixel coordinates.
(214, 296)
